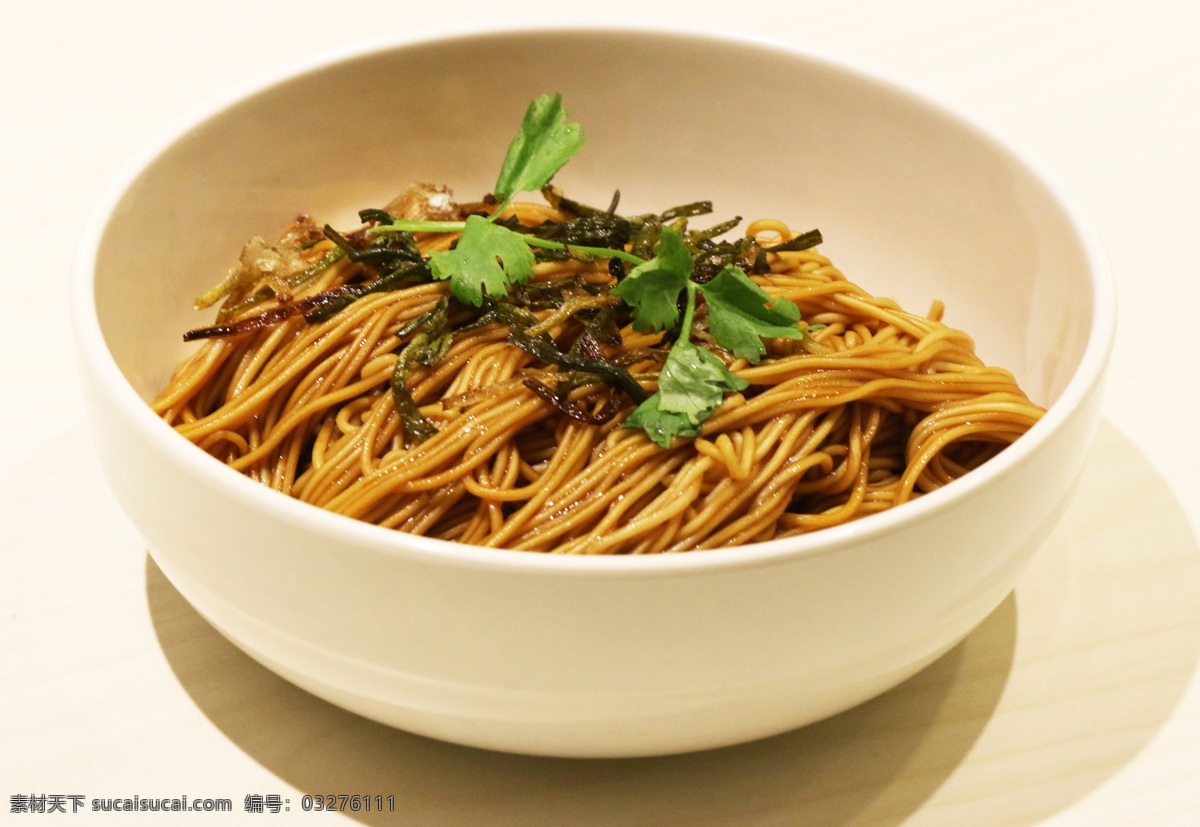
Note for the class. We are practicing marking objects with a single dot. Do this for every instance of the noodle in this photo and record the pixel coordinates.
(872, 409)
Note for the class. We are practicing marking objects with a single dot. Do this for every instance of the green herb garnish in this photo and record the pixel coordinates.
(652, 288)
(489, 258)
(693, 380)
(739, 316)
(544, 144)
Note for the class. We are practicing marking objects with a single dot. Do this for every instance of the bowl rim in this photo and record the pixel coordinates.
(94, 355)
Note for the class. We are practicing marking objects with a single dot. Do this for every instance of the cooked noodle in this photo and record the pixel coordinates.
(877, 407)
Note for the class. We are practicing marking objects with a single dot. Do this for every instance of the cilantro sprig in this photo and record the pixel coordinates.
(693, 380)
(488, 258)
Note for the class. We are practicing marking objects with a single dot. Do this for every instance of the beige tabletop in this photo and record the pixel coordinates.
(1075, 703)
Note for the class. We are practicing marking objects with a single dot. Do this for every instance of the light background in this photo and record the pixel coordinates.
(1075, 703)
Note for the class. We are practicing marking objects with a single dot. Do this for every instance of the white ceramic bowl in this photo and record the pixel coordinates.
(612, 656)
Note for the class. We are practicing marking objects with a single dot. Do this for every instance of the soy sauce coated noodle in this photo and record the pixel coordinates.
(877, 407)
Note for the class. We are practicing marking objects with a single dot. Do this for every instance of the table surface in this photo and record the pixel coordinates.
(1075, 703)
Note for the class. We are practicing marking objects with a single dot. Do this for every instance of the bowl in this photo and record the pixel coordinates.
(609, 656)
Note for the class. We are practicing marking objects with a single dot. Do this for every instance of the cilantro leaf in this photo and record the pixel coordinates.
(740, 317)
(487, 259)
(661, 426)
(693, 382)
(652, 288)
(691, 385)
(544, 144)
